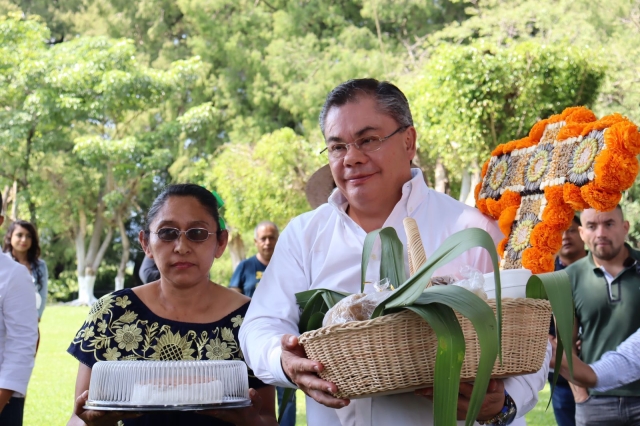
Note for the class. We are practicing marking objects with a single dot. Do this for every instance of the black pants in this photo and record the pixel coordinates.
(12, 413)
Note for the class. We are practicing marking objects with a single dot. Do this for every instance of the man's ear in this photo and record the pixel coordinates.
(1, 220)
(410, 139)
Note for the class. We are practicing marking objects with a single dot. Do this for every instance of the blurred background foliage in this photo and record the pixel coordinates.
(102, 103)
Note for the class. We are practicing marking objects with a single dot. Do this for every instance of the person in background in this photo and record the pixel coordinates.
(18, 337)
(182, 316)
(22, 243)
(246, 278)
(247, 275)
(564, 406)
(606, 295)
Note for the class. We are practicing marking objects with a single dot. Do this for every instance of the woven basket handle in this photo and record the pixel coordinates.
(417, 256)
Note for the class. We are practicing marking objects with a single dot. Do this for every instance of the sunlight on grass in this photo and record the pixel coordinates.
(51, 389)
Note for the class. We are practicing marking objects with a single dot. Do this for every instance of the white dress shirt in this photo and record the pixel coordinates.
(323, 249)
(620, 367)
(18, 326)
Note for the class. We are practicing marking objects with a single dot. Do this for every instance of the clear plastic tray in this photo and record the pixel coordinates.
(168, 385)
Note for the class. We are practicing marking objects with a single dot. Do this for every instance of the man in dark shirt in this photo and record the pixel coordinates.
(246, 278)
(247, 275)
(564, 406)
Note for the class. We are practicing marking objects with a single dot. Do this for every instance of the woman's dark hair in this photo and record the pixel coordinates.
(203, 195)
(33, 254)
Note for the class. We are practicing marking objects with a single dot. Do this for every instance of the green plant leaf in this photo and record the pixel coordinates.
(451, 248)
(556, 287)
(449, 359)
(391, 256)
(484, 322)
(314, 304)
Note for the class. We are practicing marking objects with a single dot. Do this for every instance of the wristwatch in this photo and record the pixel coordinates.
(506, 415)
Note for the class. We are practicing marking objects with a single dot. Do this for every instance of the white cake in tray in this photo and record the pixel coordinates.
(195, 393)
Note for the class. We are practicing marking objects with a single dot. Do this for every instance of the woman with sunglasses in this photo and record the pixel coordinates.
(181, 316)
(22, 243)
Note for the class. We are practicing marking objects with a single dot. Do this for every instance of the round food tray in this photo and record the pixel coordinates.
(110, 406)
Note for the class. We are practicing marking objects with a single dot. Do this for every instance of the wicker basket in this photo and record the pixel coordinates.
(396, 353)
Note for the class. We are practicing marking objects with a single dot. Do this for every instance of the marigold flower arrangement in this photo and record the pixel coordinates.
(534, 185)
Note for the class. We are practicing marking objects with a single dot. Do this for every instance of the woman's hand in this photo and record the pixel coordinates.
(248, 416)
(97, 418)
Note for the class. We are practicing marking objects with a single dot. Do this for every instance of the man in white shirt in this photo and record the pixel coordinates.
(371, 142)
(18, 336)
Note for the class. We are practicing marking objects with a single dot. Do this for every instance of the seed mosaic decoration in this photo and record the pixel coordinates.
(533, 186)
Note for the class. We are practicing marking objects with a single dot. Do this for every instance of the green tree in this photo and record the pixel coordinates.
(469, 99)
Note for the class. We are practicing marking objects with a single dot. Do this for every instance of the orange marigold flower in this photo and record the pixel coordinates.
(481, 205)
(537, 131)
(494, 207)
(485, 167)
(510, 198)
(573, 197)
(615, 172)
(546, 237)
(509, 146)
(558, 215)
(571, 130)
(525, 142)
(498, 150)
(555, 118)
(624, 137)
(476, 192)
(505, 222)
(600, 199)
(501, 247)
(603, 123)
(554, 195)
(537, 261)
(578, 115)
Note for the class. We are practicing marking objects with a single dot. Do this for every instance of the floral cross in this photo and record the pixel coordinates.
(533, 186)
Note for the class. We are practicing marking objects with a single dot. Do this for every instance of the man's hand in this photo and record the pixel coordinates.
(579, 394)
(303, 372)
(492, 404)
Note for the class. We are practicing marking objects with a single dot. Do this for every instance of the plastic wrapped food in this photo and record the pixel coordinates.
(359, 306)
(473, 281)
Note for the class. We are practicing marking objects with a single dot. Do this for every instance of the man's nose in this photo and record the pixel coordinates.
(354, 156)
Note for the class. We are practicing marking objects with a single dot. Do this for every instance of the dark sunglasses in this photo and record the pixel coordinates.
(197, 235)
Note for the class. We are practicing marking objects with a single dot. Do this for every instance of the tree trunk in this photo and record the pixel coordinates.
(475, 179)
(85, 291)
(14, 198)
(236, 249)
(465, 186)
(442, 180)
(124, 259)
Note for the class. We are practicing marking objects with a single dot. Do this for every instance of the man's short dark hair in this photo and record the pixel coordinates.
(576, 219)
(389, 98)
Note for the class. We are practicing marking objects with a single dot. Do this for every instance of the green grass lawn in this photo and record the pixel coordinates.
(51, 389)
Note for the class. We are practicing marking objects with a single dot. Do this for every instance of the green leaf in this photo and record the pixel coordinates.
(314, 304)
(391, 256)
(484, 322)
(451, 248)
(556, 287)
(449, 359)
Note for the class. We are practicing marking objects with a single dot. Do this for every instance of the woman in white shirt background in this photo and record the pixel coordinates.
(22, 244)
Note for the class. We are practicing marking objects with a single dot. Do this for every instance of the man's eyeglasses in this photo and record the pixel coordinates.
(197, 235)
(364, 144)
